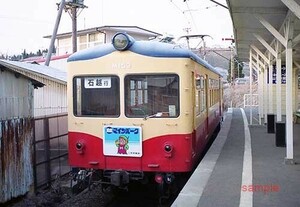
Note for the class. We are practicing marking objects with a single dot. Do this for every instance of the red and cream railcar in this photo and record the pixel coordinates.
(140, 108)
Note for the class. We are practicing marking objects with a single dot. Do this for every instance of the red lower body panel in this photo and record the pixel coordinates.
(154, 158)
(185, 151)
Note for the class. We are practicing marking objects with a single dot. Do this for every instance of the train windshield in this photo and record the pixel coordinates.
(96, 96)
(152, 96)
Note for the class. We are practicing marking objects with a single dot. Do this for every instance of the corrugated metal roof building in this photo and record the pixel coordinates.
(52, 98)
(16, 133)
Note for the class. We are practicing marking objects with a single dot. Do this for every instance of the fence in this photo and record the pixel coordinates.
(44, 111)
(50, 149)
(247, 100)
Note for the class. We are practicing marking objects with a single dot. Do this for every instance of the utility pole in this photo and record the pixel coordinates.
(51, 46)
(72, 6)
(68, 5)
(74, 28)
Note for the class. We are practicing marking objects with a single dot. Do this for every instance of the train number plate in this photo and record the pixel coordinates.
(122, 141)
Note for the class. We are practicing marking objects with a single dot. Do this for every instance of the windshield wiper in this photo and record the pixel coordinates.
(158, 114)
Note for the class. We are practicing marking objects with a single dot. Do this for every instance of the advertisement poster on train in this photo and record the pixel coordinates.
(122, 141)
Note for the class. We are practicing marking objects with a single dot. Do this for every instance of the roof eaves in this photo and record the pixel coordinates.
(35, 83)
(25, 71)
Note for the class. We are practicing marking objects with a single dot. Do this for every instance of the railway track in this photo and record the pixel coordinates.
(139, 195)
(136, 195)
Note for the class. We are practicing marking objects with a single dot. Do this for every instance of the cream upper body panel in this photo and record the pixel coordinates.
(125, 63)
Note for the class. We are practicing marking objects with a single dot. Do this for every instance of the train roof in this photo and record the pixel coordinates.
(147, 48)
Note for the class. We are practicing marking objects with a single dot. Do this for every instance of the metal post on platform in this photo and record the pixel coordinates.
(260, 72)
(270, 85)
(261, 98)
(289, 93)
(251, 82)
(266, 110)
(278, 81)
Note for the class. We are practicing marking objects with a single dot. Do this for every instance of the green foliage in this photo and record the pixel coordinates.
(238, 66)
(22, 56)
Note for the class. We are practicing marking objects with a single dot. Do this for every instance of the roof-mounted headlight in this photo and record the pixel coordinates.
(122, 41)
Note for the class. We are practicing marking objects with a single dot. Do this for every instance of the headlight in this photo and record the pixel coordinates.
(122, 41)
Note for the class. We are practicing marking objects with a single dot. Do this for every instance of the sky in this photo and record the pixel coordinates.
(24, 23)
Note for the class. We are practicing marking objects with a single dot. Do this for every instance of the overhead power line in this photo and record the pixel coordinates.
(192, 17)
(222, 5)
(177, 6)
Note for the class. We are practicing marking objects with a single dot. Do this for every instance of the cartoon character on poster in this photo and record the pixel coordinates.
(122, 141)
(122, 144)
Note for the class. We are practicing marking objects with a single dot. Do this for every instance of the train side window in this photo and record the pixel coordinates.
(198, 85)
(198, 82)
(203, 94)
(96, 96)
(152, 95)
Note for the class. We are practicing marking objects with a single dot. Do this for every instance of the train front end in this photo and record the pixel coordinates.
(130, 111)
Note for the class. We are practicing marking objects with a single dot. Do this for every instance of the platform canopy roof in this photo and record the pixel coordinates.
(268, 30)
(261, 22)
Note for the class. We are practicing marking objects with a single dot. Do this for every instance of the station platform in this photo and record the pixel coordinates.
(243, 167)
